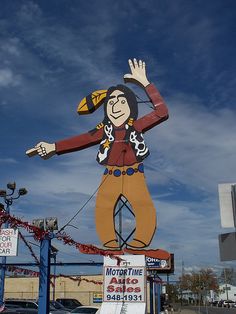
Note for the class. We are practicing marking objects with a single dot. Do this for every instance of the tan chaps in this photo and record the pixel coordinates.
(134, 189)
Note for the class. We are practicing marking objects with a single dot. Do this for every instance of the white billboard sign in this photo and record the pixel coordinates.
(8, 242)
(125, 282)
(226, 205)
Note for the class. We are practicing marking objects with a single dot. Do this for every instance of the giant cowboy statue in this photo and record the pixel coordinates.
(122, 151)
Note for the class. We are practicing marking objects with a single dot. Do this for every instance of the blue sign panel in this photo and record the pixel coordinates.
(161, 265)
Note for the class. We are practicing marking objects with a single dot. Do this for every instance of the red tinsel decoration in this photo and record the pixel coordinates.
(29, 272)
(88, 249)
(40, 234)
(79, 279)
(29, 247)
(23, 271)
(15, 222)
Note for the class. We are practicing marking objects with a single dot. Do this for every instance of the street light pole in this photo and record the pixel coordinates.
(8, 199)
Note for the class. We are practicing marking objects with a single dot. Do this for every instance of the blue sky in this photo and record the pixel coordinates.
(53, 53)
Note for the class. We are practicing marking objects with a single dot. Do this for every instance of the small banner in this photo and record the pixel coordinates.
(97, 297)
(8, 242)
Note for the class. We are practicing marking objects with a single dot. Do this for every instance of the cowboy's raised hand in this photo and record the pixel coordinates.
(138, 73)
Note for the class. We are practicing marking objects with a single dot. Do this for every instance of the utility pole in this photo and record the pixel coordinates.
(226, 287)
(182, 275)
(8, 199)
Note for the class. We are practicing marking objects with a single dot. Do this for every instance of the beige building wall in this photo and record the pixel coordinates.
(27, 288)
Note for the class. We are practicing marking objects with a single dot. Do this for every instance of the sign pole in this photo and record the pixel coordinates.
(156, 296)
(4, 260)
(151, 295)
(233, 196)
(8, 199)
(44, 276)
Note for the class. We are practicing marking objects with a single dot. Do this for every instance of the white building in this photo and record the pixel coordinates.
(227, 292)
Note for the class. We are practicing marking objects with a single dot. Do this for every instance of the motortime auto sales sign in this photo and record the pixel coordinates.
(126, 282)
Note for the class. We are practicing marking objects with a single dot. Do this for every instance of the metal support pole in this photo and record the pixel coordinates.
(151, 295)
(8, 197)
(44, 276)
(167, 279)
(158, 298)
(233, 197)
(2, 282)
(226, 287)
(120, 223)
(122, 203)
(3, 269)
(54, 277)
(155, 296)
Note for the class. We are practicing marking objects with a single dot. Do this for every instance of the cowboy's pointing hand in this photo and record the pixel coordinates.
(43, 149)
(138, 73)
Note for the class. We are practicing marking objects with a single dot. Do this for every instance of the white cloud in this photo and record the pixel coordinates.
(194, 144)
(8, 78)
(81, 48)
(8, 160)
(10, 47)
(29, 12)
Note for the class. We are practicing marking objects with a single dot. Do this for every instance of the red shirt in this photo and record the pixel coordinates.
(121, 152)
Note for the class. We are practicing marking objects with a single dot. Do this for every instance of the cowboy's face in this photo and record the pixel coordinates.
(118, 110)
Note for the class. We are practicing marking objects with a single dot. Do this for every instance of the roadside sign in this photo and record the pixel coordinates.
(160, 265)
(227, 242)
(97, 297)
(8, 242)
(125, 282)
(227, 195)
(156, 263)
